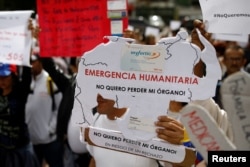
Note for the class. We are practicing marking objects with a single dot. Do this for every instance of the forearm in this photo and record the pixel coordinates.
(56, 74)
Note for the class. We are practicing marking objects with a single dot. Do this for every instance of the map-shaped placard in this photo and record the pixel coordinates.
(143, 78)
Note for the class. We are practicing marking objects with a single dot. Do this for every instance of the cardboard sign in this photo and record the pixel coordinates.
(69, 28)
(235, 91)
(155, 149)
(143, 79)
(15, 38)
(203, 130)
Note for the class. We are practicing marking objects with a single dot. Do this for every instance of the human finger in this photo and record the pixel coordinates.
(163, 121)
(169, 129)
(198, 24)
(172, 135)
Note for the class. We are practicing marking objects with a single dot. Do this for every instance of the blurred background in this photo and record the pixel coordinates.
(159, 13)
(141, 13)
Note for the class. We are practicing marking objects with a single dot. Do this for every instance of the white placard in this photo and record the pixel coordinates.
(155, 149)
(152, 31)
(226, 16)
(175, 25)
(116, 27)
(117, 4)
(204, 131)
(147, 88)
(235, 92)
(15, 38)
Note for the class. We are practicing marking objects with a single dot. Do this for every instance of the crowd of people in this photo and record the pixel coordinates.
(36, 105)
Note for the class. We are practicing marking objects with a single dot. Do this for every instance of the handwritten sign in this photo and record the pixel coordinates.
(69, 28)
(15, 38)
(203, 130)
(235, 92)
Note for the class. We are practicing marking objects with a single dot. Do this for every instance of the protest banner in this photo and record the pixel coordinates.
(203, 130)
(15, 37)
(234, 15)
(142, 78)
(235, 91)
(117, 13)
(70, 28)
(155, 149)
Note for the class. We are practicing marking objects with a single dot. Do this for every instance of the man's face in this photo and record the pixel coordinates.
(104, 106)
(234, 60)
(36, 67)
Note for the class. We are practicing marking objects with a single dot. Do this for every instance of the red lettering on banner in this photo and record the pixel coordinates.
(143, 77)
(171, 79)
(69, 28)
(200, 131)
(110, 74)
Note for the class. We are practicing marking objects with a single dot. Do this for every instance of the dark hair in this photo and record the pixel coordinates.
(236, 48)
